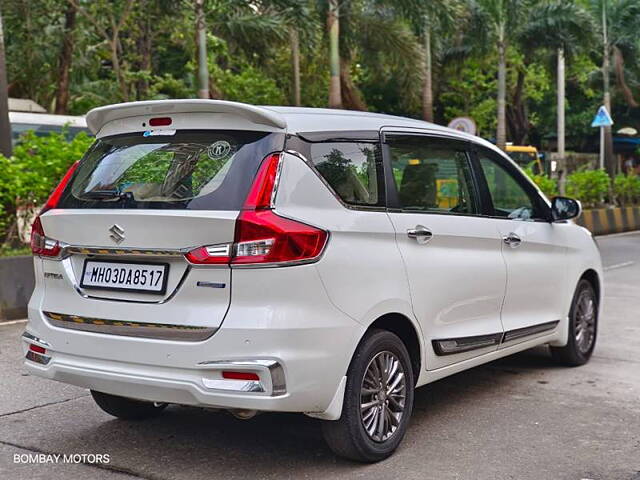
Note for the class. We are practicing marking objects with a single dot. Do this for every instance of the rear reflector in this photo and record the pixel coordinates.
(37, 349)
(240, 376)
(160, 121)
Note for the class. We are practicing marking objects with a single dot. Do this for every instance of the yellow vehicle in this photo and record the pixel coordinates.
(525, 155)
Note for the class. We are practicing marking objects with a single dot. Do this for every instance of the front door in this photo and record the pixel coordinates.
(452, 255)
(533, 249)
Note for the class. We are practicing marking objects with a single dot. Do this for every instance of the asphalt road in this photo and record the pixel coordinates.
(517, 418)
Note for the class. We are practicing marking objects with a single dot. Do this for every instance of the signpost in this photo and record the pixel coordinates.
(602, 120)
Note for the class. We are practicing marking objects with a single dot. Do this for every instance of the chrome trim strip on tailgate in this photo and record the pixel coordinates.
(159, 331)
(71, 249)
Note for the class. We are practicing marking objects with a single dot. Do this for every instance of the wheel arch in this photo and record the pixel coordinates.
(400, 325)
(593, 278)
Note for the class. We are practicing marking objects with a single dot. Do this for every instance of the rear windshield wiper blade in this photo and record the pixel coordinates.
(102, 195)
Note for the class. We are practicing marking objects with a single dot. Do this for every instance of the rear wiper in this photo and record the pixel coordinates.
(102, 195)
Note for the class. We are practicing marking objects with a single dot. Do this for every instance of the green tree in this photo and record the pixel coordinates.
(564, 28)
(5, 127)
(619, 22)
(434, 23)
(498, 22)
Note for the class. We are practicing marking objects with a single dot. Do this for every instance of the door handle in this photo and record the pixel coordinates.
(421, 234)
(512, 240)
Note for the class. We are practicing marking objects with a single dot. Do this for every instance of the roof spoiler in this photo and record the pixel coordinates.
(100, 116)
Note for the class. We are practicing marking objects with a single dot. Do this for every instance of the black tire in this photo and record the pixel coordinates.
(578, 351)
(127, 408)
(347, 436)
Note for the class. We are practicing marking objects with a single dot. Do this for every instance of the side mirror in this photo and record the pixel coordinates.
(563, 208)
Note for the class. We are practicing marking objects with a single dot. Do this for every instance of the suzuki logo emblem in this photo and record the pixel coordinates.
(117, 233)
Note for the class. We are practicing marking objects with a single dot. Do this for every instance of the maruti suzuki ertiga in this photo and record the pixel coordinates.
(284, 259)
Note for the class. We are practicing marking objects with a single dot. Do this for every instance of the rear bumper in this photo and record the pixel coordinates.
(199, 386)
(300, 348)
(303, 381)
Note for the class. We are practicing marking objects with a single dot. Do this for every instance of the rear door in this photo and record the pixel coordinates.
(452, 255)
(533, 248)
(134, 206)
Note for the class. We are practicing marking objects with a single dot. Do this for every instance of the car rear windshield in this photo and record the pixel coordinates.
(195, 170)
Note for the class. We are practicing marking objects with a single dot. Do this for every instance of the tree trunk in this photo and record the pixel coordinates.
(5, 126)
(351, 97)
(144, 49)
(201, 43)
(427, 87)
(295, 64)
(501, 133)
(117, 69)
(65, 59)
(516, 113)
(333, 28)
(618, 63)
(561, 124)
(609, 160)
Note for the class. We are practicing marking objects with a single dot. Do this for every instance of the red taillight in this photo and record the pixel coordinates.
(54, 198)
(262, 236)
(213, 255)
(40, 243)
(240, 376)
(37, 349)
(263, 185)
(160, 121)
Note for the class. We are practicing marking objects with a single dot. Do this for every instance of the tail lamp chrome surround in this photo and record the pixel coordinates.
(271, 374)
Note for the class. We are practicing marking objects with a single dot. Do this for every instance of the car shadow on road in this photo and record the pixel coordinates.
(271, 444)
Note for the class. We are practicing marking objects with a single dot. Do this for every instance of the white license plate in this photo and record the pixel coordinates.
(125, 276)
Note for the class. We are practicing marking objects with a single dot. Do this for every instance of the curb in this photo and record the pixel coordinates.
(602, 221)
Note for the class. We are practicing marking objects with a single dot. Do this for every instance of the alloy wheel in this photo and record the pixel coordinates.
(382, 396)
(585, 321)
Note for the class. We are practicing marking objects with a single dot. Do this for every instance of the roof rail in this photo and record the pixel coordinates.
(100, 116)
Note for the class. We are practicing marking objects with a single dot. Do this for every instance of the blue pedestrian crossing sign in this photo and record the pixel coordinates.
(602, 118)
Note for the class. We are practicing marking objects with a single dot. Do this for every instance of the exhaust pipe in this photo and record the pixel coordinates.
(243, 414)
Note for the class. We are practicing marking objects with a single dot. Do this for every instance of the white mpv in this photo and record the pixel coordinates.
(283, 259)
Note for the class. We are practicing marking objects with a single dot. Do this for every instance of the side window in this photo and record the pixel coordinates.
(432, 176)
(352, 170)
(510, 199)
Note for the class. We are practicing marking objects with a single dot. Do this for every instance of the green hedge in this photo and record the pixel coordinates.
(591, 187)
(32, 172)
